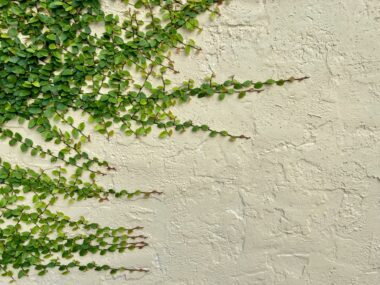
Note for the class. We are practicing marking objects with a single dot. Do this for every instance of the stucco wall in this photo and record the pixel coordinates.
(299, 203)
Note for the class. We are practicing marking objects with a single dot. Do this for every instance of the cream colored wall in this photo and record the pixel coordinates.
(297, 204)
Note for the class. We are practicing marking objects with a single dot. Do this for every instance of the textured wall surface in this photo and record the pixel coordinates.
(297, 204)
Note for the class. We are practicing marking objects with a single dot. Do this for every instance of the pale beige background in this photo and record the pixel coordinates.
(300, 202)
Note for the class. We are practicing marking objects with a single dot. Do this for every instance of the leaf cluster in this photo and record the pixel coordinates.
(52, 63)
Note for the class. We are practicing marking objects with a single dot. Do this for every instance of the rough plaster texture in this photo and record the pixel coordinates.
(297, 204)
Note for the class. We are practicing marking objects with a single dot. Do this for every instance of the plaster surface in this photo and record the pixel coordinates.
(297, 204)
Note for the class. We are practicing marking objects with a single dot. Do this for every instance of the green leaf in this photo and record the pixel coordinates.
(75, 133)
(21, 274)
(51, 37)
(3, 174)
(258, 85)
(81, 126)
(213, 134)
(270, 82)
(32, 123)
(4, 2)
(13, 142)
(163, 135)
(3, 202)
(24, 147)
(55, 4)
(140, 131)
(242, 94)
(187, 49)
(129, 133)
(139, 4)
(67, 72)
(42, 273)
(34, 110)
(18, 70)
(28, 142)
(22, 93)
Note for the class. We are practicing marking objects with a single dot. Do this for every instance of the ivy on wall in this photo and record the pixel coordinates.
(51, 65)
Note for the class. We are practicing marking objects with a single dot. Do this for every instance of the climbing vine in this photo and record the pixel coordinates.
(53, 64)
